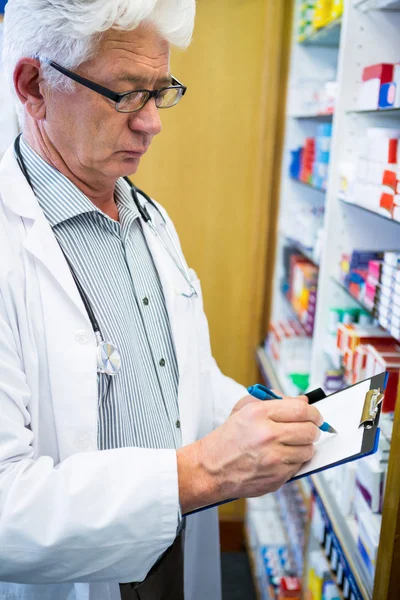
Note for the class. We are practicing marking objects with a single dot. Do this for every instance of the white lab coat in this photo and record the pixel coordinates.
(74, 521)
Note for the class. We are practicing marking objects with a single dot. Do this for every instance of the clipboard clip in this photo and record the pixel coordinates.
(373, 400)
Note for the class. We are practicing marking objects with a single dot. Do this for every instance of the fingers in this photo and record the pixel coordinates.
(278, 393)
(298, 434)
(292, 410)
(303, 397)
(243, 402)
(298, 455)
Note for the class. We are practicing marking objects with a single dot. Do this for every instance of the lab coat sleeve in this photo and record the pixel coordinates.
(226, 391)
(96, 516)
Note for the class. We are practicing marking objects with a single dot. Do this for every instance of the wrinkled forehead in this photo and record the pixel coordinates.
(140, 55)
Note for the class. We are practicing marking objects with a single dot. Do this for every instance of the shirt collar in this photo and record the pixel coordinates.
(59, 198)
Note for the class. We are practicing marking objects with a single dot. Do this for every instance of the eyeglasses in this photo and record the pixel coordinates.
(128, 102)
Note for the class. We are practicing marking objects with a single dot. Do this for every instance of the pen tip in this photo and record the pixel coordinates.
(332, 429)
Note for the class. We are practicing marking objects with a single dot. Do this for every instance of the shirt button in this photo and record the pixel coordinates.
(82, 336)
(178, 424)
(162, 363)
(145, 301)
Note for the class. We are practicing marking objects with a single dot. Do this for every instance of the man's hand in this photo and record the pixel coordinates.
(260, 447)
(248, 399)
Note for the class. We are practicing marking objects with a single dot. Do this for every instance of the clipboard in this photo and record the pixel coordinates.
(354, 412)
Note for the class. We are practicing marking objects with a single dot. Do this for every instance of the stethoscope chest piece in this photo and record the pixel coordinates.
(108, 358)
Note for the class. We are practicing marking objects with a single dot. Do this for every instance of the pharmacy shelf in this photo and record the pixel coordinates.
(272, 376)
(268, 370)
(339, 592)
(359, 302)
(306, 251)
(346, 289)
(371, 212)
(290, 308)
(372, 5)
(308, 185)
(379, 111)
(344, 535)
(339, 53)
(324, 117)
(326, 36)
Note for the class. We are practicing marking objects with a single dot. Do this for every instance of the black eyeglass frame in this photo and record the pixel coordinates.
(107, 93)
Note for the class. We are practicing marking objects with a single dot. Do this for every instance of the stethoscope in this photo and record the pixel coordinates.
(108, 355)
(144, 213)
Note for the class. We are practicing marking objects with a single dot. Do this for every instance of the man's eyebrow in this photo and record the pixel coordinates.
(166, 80)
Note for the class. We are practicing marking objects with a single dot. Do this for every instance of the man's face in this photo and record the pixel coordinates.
(85, 128)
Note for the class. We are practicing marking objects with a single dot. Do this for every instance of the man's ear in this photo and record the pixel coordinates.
(27, 79)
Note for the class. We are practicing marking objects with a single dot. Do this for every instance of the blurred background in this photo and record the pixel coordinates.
(214, 165)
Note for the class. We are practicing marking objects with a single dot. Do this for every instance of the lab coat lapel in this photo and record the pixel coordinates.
(40, 241)
(172, 284)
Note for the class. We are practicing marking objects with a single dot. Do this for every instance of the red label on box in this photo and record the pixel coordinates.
(382, 71)
(389, 179)
(387, 201)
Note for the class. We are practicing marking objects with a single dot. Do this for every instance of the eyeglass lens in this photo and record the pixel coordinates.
(136, 100)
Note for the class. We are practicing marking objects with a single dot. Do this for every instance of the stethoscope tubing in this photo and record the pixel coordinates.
(108, 357)
(144, 213)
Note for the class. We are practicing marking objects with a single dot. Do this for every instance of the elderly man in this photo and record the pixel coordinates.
(114, 418)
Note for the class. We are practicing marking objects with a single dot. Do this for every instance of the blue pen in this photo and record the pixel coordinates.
(263, 393)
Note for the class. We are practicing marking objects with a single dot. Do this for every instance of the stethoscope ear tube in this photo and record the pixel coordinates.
(144, 213)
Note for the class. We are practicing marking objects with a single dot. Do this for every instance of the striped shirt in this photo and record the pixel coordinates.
(116, 270)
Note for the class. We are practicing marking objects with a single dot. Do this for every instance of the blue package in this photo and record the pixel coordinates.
(387, 95)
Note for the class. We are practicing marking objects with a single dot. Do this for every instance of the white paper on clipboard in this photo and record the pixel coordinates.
(343, 411)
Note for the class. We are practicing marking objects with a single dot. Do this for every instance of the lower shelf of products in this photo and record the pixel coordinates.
(344, 519)
(338, 536)
(297, 540)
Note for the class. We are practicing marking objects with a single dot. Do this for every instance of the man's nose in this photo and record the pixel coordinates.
(147, 119)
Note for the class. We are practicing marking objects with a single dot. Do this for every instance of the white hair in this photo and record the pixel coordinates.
(68, 31)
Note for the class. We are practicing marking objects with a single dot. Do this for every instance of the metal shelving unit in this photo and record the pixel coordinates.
(364, 36)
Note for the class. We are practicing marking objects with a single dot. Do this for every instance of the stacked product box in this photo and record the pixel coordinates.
(335, 377)
(310, 163)
(380, 87)
(319, 579)
(289, 347)
(304, 229)
(320, 573)
(315, 14)
(313, 96)
(322, 155)
(359, 488)
(373, 181)
(354, 270)
(367, 351)
(383, 291)
(302, 290)
(294, 513)
(269, 547)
